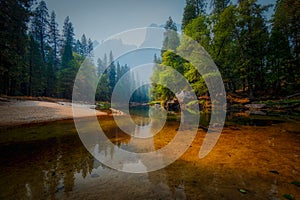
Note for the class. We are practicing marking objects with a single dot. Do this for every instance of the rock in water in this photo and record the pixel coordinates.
(179, 192)
(184, 97)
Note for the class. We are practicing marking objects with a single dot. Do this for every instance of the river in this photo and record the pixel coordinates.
(256, 157)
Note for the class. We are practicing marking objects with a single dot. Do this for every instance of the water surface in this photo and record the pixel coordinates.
(48, 161)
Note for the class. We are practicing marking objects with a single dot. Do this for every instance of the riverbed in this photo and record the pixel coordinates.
(250, 161)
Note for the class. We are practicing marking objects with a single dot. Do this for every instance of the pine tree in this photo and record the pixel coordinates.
(111, 72)
(68, 38)
(105, 64)
(14, 16)
(279, 51)
(40, 25)
(189, 15)
(291, 9)
(90, 49)
(200, 6)
(219, 5)
(36, 68)
(118, 72)
(103, 89)
(224, 52)
(70, 63)
(100, 67)
(171, 39)
(54, 40)
(84, 46)
(77, 48)
(192, 10)
(198, 29)
(53, 56)
(39, 30)
(252, 37)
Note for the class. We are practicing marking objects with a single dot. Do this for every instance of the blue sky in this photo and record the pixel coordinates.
(99, 19)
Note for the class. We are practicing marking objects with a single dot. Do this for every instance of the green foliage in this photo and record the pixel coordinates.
(86, 79)
(109, 76)
(195, 79)
(296, 183)
(103, 91)
(155, 102)
(54, 37)
(103, 105)
(252, 36)
(189, 15)
(192, 10)
(220, 5)
(14, 16)
(198, 29)
(289, 196)
(292, 16)
(164, 75)
(225, 52)
(68, 33)
(252, 54)
(66, 77)
(37, 69)
(39, 26)
(243, 191)
(281, 64)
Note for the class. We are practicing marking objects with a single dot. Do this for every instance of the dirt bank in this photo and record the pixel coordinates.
(14, 112)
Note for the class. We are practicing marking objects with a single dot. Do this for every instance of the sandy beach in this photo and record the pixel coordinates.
(16, 112)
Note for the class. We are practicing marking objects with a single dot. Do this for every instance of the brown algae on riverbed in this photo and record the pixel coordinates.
(59, 167)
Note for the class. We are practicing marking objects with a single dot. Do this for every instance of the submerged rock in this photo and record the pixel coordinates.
(94, 175)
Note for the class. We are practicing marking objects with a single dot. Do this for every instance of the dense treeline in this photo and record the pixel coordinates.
(39, 59)
(254, 54)
(109, 74)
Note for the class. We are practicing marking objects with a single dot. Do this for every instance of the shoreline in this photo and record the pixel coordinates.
(23, 112)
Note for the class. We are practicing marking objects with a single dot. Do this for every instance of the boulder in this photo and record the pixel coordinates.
(184, 96)
(172, 105)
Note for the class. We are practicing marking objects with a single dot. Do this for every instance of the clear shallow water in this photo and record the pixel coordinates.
(48, 161)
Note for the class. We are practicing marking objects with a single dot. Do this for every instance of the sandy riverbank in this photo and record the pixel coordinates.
(14, 112)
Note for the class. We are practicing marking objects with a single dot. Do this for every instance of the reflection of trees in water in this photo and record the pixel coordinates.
(44, 168)
(113, 133)
(68, 156)
(142, 121)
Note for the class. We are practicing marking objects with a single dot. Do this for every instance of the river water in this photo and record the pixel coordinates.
(256, 157)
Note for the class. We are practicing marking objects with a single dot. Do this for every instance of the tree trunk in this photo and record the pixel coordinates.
(30, 75)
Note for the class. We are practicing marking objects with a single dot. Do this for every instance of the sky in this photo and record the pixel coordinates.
(99, 19)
